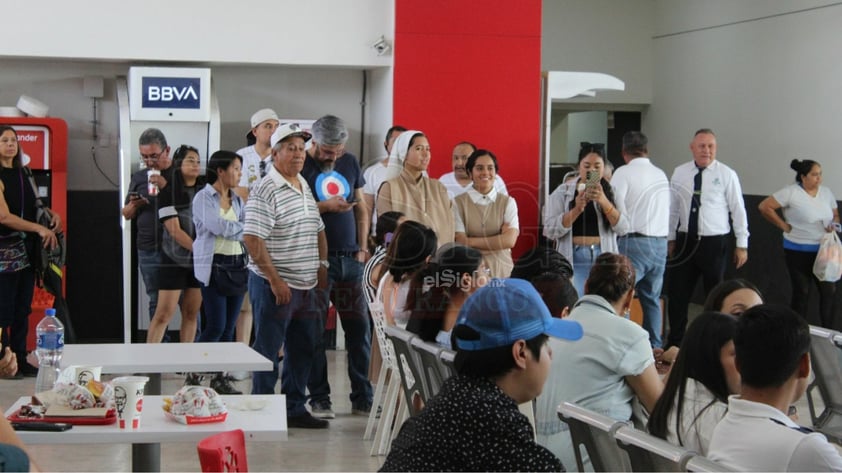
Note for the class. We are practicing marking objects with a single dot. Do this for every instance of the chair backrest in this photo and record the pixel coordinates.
(650, 453)
(225, 451)
(378, 318)
(826, 358)
(446, 357)
(700, 463)
(433, 369)
(596, 433)
(408, 366)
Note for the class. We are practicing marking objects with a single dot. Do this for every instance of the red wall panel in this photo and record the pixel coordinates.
(468, 70)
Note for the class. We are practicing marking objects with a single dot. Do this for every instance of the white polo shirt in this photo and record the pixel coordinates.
(748, 439)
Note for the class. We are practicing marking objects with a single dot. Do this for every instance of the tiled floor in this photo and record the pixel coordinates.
(338, 448)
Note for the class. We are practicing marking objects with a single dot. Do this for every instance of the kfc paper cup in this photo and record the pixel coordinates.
(128, 397)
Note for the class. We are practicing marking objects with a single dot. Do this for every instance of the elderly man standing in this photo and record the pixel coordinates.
(707, 202)
(336, 180)
(642, 195)
(285, 238)
(142, 207)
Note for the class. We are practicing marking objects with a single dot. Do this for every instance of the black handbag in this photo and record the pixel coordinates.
(46, 259)
(229, 274)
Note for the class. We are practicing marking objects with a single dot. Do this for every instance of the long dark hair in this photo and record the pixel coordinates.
(442, 280)
(698, 359)
(17, 161)
(413, 243)
(386, 225)
(598, 149)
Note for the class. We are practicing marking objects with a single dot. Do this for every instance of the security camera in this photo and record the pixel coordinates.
(381, 46)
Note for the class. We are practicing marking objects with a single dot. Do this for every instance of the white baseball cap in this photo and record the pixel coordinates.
(286, 130)
(262, 115)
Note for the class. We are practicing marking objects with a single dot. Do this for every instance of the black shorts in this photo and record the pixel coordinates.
(171, 276)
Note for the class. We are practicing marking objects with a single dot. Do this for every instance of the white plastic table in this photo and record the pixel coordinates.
(153, 359)
(266, 424)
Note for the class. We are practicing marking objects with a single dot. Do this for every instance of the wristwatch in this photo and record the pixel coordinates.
(325, 263)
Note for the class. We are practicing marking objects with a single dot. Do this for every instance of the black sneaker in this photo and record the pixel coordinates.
(222, 385)
(193, 379)
(306, 421)
(361, 409)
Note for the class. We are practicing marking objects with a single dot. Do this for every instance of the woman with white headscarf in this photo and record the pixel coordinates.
(420, 198)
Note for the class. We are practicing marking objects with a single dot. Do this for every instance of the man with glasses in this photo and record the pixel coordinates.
(143, 208)
(336, 181)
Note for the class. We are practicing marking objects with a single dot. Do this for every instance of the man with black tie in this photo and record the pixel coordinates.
(704, 194)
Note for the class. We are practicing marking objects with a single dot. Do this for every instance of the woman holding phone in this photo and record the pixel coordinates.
(580, 214)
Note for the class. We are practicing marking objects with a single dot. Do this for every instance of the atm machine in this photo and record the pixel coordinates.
(182, 104)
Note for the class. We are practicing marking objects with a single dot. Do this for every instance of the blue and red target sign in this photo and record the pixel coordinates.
(332, 184)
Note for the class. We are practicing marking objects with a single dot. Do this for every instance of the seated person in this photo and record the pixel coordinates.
(545, 270)
(455, 273)
(411, 248)
(733, 296)
(773, 358)
(502, 359)
(613, 363)
(695, 397)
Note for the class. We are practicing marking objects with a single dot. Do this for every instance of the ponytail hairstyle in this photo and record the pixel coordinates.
(413, 243)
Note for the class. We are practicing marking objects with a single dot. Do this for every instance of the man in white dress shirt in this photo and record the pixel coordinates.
(705, 195)
(375, 174)
(642, 195)
(772, 345)
(459, 181)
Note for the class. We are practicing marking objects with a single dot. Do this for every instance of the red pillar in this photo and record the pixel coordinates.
(471, 70)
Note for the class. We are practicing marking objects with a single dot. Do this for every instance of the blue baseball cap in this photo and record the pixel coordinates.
(507, 310)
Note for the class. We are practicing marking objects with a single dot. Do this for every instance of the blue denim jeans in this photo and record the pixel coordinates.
(149, 262)
(220, 313)
(583, 258)
(649, 258)
(348, 296)
(292, 325)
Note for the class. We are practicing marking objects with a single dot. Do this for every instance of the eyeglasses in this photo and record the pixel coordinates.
(595, 147)
(154, 156)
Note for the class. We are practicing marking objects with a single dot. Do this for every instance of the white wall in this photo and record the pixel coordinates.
(312, 32)
(769, 88)
(296, 92)
(608, 36)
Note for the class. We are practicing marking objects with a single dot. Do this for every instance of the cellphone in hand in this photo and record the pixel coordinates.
(592, 178)
(134, 195)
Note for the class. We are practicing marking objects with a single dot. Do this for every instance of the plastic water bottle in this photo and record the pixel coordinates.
(49, 347)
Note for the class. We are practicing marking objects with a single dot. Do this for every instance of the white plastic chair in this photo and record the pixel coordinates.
(595, 432)
(386, 396)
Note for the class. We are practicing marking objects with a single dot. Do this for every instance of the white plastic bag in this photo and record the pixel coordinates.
(828, 265)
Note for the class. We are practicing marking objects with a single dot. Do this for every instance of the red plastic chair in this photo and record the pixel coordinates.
(225, 451)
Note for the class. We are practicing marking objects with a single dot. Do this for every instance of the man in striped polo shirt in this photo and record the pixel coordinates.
(285, 238)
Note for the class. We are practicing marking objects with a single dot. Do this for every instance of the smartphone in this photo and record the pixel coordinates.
(592, 178)
(134, 194)
(42, 426)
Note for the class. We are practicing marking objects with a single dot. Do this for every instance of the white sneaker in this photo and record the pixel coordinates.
(239, 375)
(322, 411)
